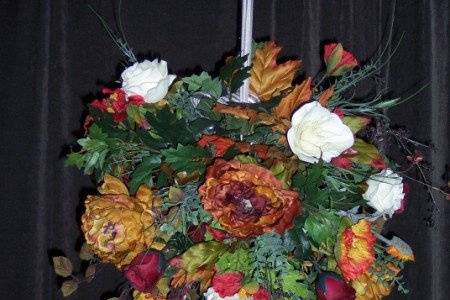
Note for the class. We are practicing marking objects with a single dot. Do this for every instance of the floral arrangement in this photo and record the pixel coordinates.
(201, 195)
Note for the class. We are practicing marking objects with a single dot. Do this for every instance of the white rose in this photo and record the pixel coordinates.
(318, 133)
(212, 295)
(148, 79)
(385, 192)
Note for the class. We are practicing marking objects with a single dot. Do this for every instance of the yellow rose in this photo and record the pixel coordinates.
(117, 227)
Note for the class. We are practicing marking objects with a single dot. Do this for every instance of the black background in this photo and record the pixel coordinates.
(54, 53)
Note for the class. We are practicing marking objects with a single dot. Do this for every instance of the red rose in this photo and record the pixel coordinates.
(338, 60)
(217, 234)
(227, 284)
(341, 162)
(329, 286)
(116, 103)
(339, 112)
(261, 294)
(145, 270)
(378, 163)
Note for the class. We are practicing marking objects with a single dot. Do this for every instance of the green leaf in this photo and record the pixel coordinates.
(62, 266)
(310, 184)
(366, 153)
(334, 58)
(151, 140)
(75, 159)
(355, 123)
(169, 127)
(177, 244)
(202, 254)
(162, 181)
(300, 239)
(142, 174)
(237, 261)
(69, 287)
(187, 158)
(86, 252)
(136, 114)
(322, 226)
(96, 133)
(234, 73)
(292, 284)
(195, 82)
(205, 83)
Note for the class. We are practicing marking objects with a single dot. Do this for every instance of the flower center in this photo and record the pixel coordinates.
(248, 204)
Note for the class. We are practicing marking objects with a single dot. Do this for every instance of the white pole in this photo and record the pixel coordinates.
(246, 45)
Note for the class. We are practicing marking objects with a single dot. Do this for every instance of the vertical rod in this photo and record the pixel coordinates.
(246, 45)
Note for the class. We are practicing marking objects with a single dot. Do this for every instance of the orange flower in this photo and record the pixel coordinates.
(118, 227)
(400, 253)
(247, 199)
(368, 287)
(356, 253)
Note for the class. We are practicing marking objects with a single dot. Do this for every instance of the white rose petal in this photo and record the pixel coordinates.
(385, 192)
(148, 79)
(318, 133)
(212, 295)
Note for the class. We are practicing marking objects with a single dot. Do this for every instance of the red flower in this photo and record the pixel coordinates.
(329, 286)
(338, 60)
(145, 270)
(261, 294)
(415, 158)
(339, 112)
(217, 234)
(356, 250)
(116, 103)
(227, 284)
(378, 163)
(341, 162)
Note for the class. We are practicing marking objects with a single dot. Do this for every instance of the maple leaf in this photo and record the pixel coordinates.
(237, 111)
(268, 77)
(325, 96)
(299, 95)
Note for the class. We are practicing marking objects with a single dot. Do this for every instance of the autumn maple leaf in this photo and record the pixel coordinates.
(299, 95)
(268, 77)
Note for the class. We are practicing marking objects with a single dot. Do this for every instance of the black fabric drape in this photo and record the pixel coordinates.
(54, 53)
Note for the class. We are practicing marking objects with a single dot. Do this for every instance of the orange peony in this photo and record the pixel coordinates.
(118, 227)
(356, 253)
(247, 199)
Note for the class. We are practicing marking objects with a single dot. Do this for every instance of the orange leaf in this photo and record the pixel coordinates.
(300, 94)
(237, 111)
(268, 77)
(325, 96)
(182, 278)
